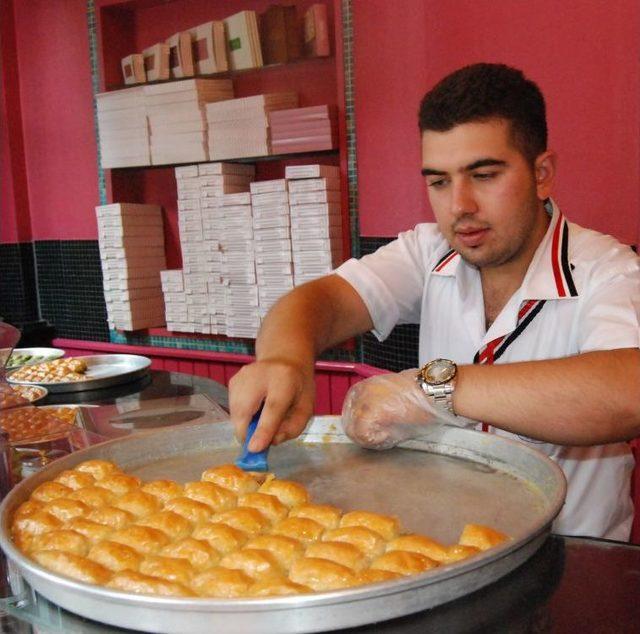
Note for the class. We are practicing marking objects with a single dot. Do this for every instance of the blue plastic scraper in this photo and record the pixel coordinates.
(248, 460)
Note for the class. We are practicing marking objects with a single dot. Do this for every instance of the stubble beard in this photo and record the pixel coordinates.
(496, 255)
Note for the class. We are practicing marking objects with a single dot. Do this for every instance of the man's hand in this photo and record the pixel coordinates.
(384, 410)
(288, 392)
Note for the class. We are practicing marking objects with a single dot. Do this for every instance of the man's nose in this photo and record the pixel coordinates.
(462, 198)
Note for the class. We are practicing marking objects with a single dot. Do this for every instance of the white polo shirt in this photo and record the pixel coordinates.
(587, 287)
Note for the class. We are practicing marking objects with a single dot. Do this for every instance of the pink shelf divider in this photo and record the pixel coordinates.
(333, 378)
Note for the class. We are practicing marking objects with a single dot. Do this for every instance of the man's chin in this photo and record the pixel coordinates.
(478, 257)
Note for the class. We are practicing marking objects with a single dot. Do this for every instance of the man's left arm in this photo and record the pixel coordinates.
(586, 399)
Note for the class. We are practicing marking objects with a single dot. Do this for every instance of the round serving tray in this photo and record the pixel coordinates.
(41, 355)
(103, 370)
(434, 484)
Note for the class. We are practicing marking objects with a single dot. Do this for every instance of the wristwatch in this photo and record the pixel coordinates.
(436, 379)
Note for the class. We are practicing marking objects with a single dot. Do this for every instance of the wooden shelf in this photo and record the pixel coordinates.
(230, 74)
(252, 159)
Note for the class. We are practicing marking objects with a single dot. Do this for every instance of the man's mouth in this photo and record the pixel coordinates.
(471, 237)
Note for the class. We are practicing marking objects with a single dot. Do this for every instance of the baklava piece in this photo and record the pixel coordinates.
(321, 575)
(300, 528)
(247, 520)
(482, 537)
(289, 493)
(218, 498)
(191, 510)
(419, 544)
(403, 563)
(115, 556)
(97, 468)
(221, 582)
(384, 525)
(171, 524)
(232, 478)
(223, 538)
(136, 582)
(368, 541)
(328, 516)
(285, 549)
(196, 551)
(164, 490)
(342, 553)
(255, 563)
(269, 505)
(78, 568)
(143, 539)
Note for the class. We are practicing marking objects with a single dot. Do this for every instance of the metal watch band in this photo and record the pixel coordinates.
(442, 394)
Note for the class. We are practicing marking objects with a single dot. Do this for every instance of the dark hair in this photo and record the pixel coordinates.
(487, 91)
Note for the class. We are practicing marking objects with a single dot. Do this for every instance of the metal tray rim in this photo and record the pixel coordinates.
(324, 429)
(92, 383)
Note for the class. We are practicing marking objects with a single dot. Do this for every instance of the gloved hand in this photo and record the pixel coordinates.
(384, 410)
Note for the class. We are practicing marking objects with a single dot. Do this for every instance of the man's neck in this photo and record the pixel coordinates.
(499, 283)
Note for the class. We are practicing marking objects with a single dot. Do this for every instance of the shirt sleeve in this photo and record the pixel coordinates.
(391, 281)
(610, 318)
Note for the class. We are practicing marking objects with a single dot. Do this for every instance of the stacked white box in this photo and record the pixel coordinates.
(203, 229)
(131, 242)
(122, 128)
(316, 220)
(177, 118)
(238, 266)
(175, 299)
(240, 127)
(271, 226)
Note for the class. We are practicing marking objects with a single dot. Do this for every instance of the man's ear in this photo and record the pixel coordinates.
(545, 173)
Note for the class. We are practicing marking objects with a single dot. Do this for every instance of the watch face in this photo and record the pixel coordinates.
(440, 371)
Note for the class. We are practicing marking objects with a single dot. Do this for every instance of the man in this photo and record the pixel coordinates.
(534, 321)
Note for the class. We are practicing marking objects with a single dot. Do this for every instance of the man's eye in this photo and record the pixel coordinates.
(484, 176)
(437, 184)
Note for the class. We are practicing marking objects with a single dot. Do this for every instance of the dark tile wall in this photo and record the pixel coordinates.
(400, 350)
(18, 297)
(70, 286)
(69, 282)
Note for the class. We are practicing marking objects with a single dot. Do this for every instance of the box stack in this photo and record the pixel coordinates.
(238, 266)
(200, 305)
(316, 221)
(122, 128)
(225, 190)
(190, 307)
(240, 127)
(175, 299)
(131, 241)
(271, 222)
(304, 129)
(243, 39)
(177, 118)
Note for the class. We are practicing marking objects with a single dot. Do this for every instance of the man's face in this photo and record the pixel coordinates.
(483, 193)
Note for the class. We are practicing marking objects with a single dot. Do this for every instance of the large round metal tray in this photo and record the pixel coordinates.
(435, 485)
(103, 370)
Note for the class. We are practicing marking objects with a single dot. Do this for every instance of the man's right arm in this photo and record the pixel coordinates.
(308, 320)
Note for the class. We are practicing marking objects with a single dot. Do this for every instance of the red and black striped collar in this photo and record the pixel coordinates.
(550, 272)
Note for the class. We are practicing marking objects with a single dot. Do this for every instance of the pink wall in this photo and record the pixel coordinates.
(14, 200)
(57, 116)
(583, 54)
(125, 28)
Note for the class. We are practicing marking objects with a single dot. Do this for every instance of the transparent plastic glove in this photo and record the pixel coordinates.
(384, 410)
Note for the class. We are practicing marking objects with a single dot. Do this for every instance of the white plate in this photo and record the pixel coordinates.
(49, 354)
(103, 370)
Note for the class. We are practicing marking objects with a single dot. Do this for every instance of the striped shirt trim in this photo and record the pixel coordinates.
(496, 348)
(444, 260)
(562, 276)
